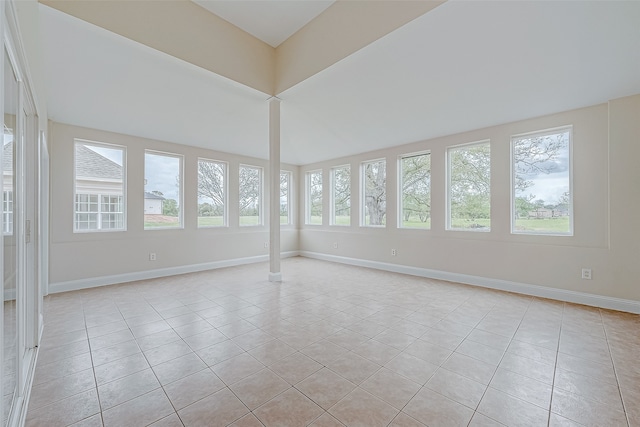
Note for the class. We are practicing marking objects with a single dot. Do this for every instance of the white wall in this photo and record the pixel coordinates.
(86, 259)
(606, 206)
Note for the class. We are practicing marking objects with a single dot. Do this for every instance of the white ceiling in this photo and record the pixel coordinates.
(272, 21)
(463, 66)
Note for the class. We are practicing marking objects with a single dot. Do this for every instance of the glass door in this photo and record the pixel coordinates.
(10, 343)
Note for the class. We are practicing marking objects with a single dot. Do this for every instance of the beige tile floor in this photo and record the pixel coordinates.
(332, 345)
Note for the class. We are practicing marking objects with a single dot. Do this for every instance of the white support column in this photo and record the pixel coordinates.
(274, 190)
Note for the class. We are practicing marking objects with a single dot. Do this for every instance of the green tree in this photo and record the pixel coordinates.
(284, 193)
(211, 185)
(170, 207)
(416, 187)
(470, 182)
(315, 194)
(249, 191)
(342, 191)
(524, 205)
(375, 177)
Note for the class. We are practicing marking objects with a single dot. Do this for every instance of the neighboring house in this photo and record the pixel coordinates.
(99, 191)
(548, 213)
(7, 186)
(152, 204)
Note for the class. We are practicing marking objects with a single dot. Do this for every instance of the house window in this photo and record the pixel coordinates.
(415, 191)
(341, 195)
(7, 212)
(374, 193)
(314, 198)
(212, 193)
(162, 190)
(99, 187)
(541, 183)
(250, 195)
(285, 197)
(469, 187)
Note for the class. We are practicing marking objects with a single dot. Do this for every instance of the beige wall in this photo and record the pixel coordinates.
(606, 236)
(78, 256)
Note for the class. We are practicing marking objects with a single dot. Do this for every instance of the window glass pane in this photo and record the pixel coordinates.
(250, 195)
(99, 187)
(7, 212)
(212, 193)
(470, 187)
(415, 188)
(542, 183)
(11, 344)
(285, 194)
(314, 198)
(374, 178)
(341, 195)
(162, 191)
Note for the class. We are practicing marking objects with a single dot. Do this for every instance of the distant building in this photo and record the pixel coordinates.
(153, 204)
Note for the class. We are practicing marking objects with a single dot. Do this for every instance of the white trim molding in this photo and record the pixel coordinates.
(93, 282)
(629, 306)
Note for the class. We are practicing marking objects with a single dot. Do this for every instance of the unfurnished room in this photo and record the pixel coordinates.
(349, 213)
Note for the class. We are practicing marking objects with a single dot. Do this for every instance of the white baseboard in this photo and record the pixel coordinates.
(74, 285)
(619, 304)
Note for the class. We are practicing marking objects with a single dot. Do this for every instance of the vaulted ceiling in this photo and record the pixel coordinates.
(347, 87)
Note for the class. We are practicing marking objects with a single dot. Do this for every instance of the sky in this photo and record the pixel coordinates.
(550, 186)
(161, 174)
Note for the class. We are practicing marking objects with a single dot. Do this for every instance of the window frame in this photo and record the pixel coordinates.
(332, 177)
(100, 195)
(400, 190)
(307, 198)
(448, 218)
(363, 190)
(260, 195)
(180, 158)
(544, 132)
(225, 207)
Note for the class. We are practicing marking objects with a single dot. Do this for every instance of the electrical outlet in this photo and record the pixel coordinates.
(152, 256)
(266, 245)
(335, 245)
(394, 252)
(586, 273)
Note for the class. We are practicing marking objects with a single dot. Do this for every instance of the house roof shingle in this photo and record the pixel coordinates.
(90, 164)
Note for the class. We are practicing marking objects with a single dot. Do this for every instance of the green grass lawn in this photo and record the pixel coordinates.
(415, 222)
(210, 221)
(543, 225)
(471, 224)
(342, 220)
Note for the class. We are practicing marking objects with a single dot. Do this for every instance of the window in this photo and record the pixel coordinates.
(415, 191)
(341, 195)
(374, 197)
(250, 195)
(162, 190)
(212, 193)
(7, 212)
(285, 196)
(99, 187)
(314, 198)
(541, 200)
(469, 179)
